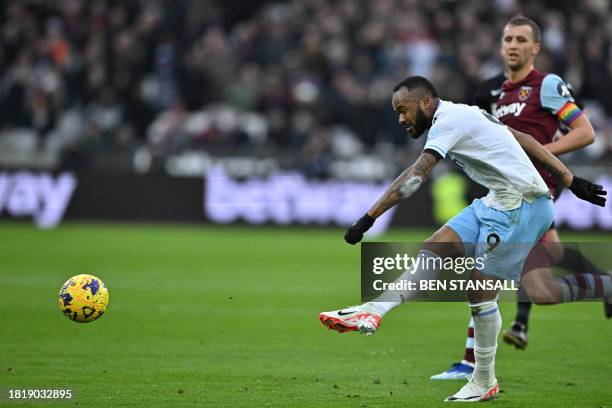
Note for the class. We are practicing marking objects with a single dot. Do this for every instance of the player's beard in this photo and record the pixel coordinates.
(421, 123)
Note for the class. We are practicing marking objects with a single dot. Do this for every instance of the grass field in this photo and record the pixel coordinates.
(211, 317)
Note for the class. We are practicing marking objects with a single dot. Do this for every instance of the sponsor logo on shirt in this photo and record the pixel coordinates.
(513, 109)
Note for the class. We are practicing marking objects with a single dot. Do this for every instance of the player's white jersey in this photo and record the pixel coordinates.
(488, 154)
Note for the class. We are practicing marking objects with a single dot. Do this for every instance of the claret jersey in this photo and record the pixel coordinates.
(536, 105)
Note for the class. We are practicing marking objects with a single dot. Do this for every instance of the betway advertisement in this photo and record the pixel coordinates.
(42, 197)
(289, 198)
(285, 199)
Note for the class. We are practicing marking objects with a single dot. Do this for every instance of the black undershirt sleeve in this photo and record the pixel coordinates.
(434, 153)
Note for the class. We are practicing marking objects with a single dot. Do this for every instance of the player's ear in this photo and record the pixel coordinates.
(425, 102)
(535, 49)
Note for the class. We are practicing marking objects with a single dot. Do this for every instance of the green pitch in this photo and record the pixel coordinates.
(203, 316)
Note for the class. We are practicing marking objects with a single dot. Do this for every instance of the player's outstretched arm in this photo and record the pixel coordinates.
(582, 188)
(403, 187)
(405, 184)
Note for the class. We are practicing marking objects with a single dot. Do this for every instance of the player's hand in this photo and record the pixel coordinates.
(356, 231)
(587, 191)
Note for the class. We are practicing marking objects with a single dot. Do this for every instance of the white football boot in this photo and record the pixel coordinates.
(472, 392)
(362, 318)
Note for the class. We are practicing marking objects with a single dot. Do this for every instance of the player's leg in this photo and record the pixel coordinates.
(543, 288)
(569, 258)
(517, 334)
(456, 238)
(366, 318)
(564, 256)
(505, 241)
(444, 243)
(572, 260)
(467, 227)
(482, 385)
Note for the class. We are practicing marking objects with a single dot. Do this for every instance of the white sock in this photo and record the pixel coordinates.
(487, 324)
(389, 300)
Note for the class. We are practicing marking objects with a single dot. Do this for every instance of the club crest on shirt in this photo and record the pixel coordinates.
(524, 92)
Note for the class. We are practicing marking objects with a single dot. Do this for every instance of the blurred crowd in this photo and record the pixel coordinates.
(308, 80)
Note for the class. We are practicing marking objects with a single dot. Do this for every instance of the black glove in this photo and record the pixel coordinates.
(588, 191)
(356, 231)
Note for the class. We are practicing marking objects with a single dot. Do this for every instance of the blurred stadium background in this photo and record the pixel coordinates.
(174, 91)
(259, 112)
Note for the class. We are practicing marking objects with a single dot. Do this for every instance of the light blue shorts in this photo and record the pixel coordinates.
(502, 238)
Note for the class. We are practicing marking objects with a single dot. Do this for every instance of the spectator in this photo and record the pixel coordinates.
(170, 74)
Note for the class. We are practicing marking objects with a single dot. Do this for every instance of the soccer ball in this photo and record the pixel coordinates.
(83, 298)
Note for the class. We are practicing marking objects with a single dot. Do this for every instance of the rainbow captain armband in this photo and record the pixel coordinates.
(569, 113)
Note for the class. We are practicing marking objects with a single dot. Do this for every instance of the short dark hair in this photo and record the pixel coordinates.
(520, 20)
(417, 82)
